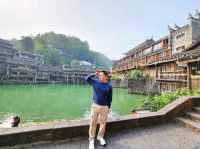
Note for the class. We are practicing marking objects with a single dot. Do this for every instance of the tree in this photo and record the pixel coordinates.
(59, 49)
(27, 44)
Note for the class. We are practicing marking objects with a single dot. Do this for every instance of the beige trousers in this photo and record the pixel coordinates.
(98, 114)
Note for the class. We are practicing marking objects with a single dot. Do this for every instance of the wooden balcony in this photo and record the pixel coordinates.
(172, 77)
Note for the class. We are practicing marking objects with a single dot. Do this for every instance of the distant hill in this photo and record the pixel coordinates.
(61, 49)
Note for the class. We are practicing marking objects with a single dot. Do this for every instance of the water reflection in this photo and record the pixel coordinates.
(7, 120)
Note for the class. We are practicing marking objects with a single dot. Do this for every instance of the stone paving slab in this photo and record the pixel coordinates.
(166, 136)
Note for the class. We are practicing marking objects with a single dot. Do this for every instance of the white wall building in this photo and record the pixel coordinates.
(182, 37)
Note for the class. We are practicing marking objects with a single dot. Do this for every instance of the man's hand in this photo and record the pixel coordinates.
(97, 72)
(110, 110)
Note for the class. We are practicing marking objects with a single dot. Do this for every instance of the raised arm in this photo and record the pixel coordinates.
(90, 78)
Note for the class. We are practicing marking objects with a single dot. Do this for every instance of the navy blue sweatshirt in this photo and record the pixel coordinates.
(102, 92)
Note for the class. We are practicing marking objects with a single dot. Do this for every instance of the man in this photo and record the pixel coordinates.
(102, 98)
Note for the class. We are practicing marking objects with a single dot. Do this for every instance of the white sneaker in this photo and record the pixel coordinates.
(91, 144)
(101, 140)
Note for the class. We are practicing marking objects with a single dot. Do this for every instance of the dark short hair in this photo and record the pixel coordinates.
(16, 121)
(104, 72)
(17, 118)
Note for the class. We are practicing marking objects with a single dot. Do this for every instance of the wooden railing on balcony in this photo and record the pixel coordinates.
(172, 77)
(132, 62)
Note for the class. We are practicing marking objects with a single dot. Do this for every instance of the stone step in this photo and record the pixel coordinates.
(193, 116)
(196, 109)
(189, 123)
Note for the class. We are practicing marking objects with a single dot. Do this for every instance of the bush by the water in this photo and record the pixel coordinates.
(196, 91)
(136, 74)
(118, 77)
(157, 102)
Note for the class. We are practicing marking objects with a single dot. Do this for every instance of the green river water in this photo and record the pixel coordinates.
(39, 103)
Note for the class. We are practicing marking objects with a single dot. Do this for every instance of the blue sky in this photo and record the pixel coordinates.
(110, 26)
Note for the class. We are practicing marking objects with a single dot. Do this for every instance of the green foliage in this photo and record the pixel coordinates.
(196, 91)
(118, 77)
(99, 59)
(59, 49)
(136, 74)
(157, 102)
(52, 56)
(25, 44)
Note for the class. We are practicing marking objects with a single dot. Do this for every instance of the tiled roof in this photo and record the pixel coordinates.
(143, 45)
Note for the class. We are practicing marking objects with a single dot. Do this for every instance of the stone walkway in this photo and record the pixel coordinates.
(168, 136)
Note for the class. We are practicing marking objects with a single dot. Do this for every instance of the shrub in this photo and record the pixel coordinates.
(118, 77)
(196, 91)
(136, 74)
(157, 102)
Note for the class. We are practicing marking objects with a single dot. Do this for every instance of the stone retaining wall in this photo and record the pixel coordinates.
(146, 86)
(77, 128)
(117, 83)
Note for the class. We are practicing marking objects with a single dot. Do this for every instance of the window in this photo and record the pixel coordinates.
(167, 68)
(148, 50)
(180, 35)
(163, 54)
(138, 54)
(157, 46)
(180, 48)
(195, 68)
